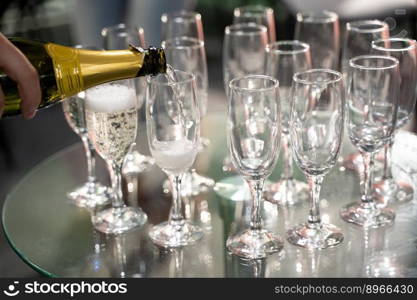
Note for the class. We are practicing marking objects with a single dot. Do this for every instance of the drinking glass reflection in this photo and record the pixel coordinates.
(253, 135)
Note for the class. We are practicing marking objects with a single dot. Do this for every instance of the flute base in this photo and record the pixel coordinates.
(287, 192)
(254, 244)
(90, 195)
(319, 236)
(367, 215)
(118, 220)
(388, 191)
(173, 234)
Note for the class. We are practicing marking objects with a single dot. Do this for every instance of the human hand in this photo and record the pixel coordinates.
(15, 64)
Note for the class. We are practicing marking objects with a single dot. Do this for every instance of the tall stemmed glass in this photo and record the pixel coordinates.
(243, 54)
(257, 14)
(283, 60)
(321, 31)
(173, 126)
(357, 41)
(372, 102)
(182, 23)
(253, 136)
(92, 193)
(188, 54)
(119, 37)
(316, 128)
(112, 118)
(405, 50)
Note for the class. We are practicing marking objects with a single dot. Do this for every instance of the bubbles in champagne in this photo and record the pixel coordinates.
(111, 98)
(112, 116)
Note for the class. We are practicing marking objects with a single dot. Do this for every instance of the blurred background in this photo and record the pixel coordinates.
(23, 144)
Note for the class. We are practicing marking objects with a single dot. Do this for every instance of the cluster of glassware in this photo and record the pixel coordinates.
(285, 92)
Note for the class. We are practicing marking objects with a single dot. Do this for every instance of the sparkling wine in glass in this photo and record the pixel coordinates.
(372, 105)
(173, 127)
(283, 60)
(316, 129)
(389, 189)
(253, 136)
(112, 118)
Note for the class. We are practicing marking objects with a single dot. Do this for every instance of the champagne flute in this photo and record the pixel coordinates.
(358, 38)
(321, 31)
(316, 128)
(188, 54)
(243, 51)
(182, 23)
(253, 136)
(173, 127)
(119, 37)
(283, 60)
(91, 194)
(257, 14)
(112, 118)
(405, 50)
(372, 102)
(243, 54)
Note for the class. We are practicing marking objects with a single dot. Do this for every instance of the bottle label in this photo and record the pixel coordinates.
(67, 69)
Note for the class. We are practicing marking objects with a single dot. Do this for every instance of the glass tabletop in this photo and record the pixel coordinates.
(57, 239)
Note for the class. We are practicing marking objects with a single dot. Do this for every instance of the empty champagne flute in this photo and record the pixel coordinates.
(119, 37)
(257, 14)
(243, 54)
(372, 103)
(188, 54)
(357, 41)
(388, 189)
(283, 60)
(243, 51)
(182, 23)
(173, 127)
(316, 128)
(321, 31)
(112, 118)
(92, 193)
(253, 136)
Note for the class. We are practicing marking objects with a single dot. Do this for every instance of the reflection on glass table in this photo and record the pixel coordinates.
(63, 243)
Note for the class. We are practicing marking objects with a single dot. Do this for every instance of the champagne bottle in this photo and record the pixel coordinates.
(66, 71)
